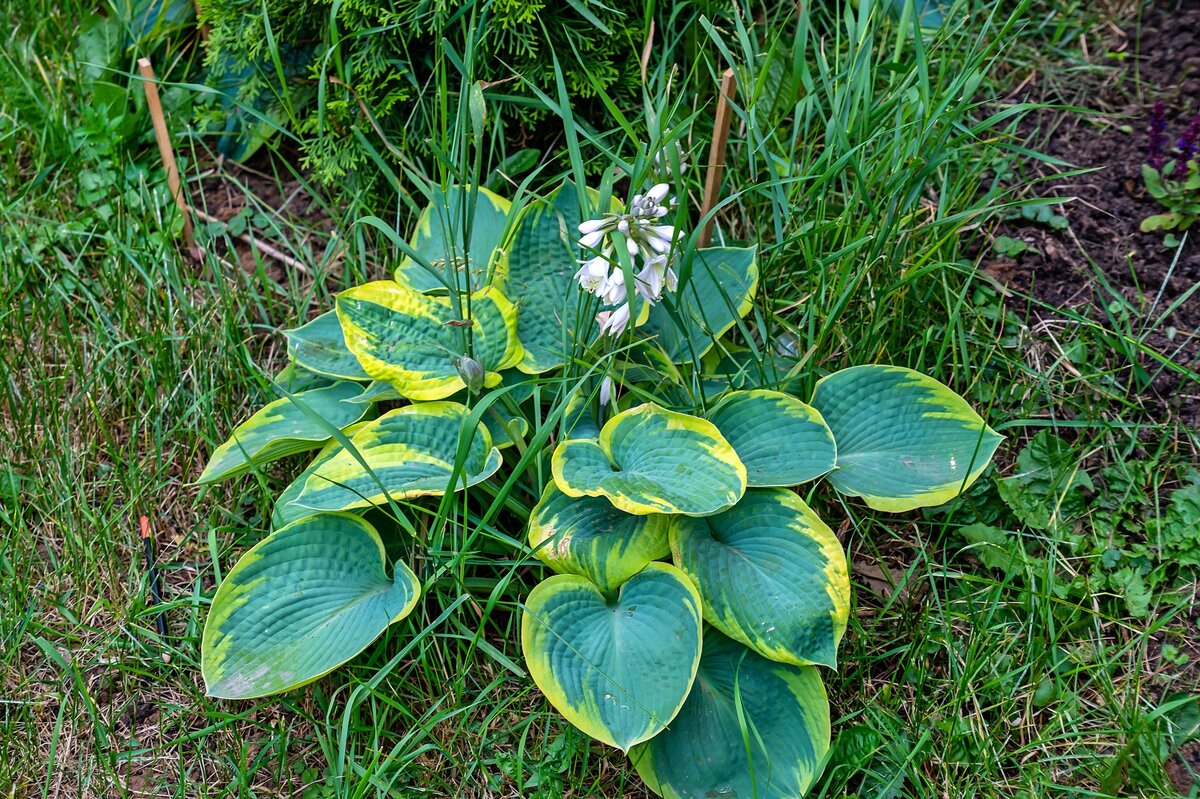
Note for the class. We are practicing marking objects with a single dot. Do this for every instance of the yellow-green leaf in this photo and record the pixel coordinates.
(411, 452)
(589, 537)
(413, 340)
(751, 728)
(299, 604)
(619, 669)
(652, 460)
(771, 574)
(439, 241)
(283, 428)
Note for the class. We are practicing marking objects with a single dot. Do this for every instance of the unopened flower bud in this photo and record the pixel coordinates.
(470, 371)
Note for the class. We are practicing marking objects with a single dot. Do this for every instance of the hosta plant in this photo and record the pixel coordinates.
(695, 595)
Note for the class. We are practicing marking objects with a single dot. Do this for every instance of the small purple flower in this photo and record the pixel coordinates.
(1158, 136)
(1187, 146)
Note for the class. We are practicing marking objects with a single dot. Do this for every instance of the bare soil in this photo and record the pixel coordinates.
(1102, 255)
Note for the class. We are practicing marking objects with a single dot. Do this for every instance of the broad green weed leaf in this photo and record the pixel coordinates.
(320, 347)
(299, 604)
(618, 669)
(904, 440)
(720, 291)
(439, 241)
(589, 537)
(1047, 487)
(412, 340)
(750, 728)
(782, 441)
(282, 428)
(651, 460)
(411, 451)
(771, 575)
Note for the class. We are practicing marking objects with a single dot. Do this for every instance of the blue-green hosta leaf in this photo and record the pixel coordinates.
(282, 428)
(411, 451)
(411, 340)
(904, 440)
(651, 460)
(320, 347)
(299, 604)
(782, 441)
(771, 575)
(377, 391)
(617, 669)
(589, 537)
(286, 510)
(719, 292)
(751, 729)
(541, 270)
(440, 236)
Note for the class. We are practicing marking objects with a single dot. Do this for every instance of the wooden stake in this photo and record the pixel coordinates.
(165, 150)
(716, 154)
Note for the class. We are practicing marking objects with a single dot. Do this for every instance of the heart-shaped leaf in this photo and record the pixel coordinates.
(651, 460)
(440, 236)
(413, 340)
(782, 441)
(618, 669)
(320, 347)
(904, 440)
(771, 575)
(299, 604)
(412, 451)
(750, 728)
(589, 537)
(282, 428)
(719, 292)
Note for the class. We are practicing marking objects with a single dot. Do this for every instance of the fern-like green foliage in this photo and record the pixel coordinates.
(322, 71)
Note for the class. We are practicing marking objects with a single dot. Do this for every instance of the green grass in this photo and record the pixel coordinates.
(1018, 665)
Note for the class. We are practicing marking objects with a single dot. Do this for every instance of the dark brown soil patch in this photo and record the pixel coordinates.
(1101, 265)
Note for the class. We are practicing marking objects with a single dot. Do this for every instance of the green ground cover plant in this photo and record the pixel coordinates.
(1033, 637)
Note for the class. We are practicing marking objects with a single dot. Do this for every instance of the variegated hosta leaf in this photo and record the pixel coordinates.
(589, 537)
(541, 268)
(617, 669)
(286, 510)
(771, 575)
(750, 728)
(378, 391)
(439, 240)
(299, 604)
(282, 428)
(412, 340)
(651, 460)
(904, 440)
(782, 441)
(411, 451)
(320, 347)
(719, 292)
(578, 421)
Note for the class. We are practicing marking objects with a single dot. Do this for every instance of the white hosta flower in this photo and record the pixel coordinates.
(613, 291)
(593, 273)
(614, 322)
(646, 240)
(608, 394)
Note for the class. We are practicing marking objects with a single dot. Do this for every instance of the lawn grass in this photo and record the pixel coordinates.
(973, 666)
